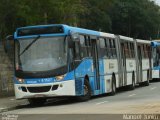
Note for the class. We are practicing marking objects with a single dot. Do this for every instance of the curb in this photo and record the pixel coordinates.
(12, 107)
(7, 109)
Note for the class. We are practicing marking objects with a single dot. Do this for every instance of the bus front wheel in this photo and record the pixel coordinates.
(86, 91)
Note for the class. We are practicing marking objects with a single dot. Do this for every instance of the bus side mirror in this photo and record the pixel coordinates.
(74, 36)
(8, 43)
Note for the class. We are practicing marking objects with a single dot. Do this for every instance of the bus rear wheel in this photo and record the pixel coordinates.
(113, 92)
(37, 101)
(146, 83)
(132, 86)
(87, 92)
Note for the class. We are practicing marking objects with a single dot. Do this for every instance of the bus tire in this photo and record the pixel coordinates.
(132, 86)
(146, 83)
(87, 92)
(36, 101)
(113, 92)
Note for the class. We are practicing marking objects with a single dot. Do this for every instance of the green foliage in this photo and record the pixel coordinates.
(134, 18)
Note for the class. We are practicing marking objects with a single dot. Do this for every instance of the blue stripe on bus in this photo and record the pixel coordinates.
(156, 68)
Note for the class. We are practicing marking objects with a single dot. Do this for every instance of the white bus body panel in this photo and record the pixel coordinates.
(130, 67)
(155, 74)
(145, 68)
(110, 67)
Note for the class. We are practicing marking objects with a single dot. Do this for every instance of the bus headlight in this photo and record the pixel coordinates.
(20, 80)
(60, 77)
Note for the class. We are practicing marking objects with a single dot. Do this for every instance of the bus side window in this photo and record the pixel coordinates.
(131, 53)
(149, 51)
(102, 50)
(142, 51)
(83, 46)
(129, 50)
(126, 50)
(76, 51)
(89, 47)
(107, 44)
(114, 49)
(110, 49)
(132, 50)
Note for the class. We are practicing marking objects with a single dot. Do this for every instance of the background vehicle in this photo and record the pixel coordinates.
(155, 59)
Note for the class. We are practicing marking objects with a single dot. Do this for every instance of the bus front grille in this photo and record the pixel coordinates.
(39, 89)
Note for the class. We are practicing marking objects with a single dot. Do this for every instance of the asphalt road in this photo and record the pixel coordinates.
(142, 100)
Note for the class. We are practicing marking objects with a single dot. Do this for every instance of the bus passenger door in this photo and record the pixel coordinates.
(124, 71)
(96, 65)
(140, 79)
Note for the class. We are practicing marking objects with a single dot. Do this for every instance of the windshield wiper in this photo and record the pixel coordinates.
(28, 46)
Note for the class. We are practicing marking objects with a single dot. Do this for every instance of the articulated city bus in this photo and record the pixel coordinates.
(60, 60)
(156, 59)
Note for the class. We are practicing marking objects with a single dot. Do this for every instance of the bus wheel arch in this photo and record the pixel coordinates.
(86, 90)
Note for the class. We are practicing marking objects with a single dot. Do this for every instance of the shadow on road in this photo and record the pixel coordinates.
(50, 102)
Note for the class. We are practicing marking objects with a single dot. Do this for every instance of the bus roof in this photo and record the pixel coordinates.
(67, 28)
(126, 38)
(143, 41)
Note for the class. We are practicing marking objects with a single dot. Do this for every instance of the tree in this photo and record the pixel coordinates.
(134, 18)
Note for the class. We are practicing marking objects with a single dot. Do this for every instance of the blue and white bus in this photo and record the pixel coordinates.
(156, 59)
(60, 60)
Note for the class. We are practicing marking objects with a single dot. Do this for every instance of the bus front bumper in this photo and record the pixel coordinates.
(57, 89)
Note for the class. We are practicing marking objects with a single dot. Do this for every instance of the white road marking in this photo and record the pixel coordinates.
(151, 104)
(148, 104)
(11, 99)
(153, 88)
(2, 108)
(101, 102)
(131, 95)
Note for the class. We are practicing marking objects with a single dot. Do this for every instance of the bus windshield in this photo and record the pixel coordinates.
(47, 53)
